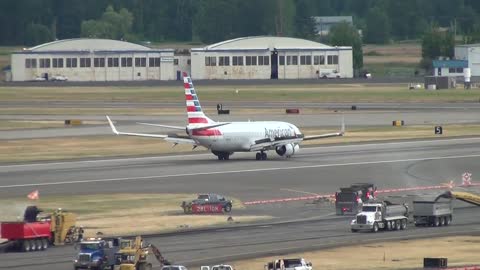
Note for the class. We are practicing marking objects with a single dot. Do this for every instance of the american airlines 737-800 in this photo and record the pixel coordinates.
(225, 138)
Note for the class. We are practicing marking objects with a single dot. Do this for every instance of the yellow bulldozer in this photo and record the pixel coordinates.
(134, 254)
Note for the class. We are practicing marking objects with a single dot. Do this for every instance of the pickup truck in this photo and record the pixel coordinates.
(207, 203)
(289, 264)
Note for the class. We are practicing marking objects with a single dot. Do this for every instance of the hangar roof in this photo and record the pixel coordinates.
(266, 43)
(85, 45)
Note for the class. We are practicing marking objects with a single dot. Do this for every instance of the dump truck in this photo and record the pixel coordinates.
(381, 215)
(349, 200)
(136, 255)
(289, 264)
(97, 254)
(35, 234)
(436, 212)
(207, 203)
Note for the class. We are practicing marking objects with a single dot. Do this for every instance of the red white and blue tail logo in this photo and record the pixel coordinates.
(194, 110)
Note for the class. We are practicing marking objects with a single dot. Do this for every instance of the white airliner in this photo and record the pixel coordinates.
(225, 138)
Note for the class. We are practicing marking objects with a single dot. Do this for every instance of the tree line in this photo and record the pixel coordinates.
(32, 22)
(26, 22)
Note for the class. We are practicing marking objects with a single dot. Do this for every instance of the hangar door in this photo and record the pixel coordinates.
(274, 66)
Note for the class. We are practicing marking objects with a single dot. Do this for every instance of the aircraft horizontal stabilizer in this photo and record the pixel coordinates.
(162, 136)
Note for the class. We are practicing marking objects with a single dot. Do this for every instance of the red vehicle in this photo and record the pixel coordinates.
(32, 234)
(28, 236)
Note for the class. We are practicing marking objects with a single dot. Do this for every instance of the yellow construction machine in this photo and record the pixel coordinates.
(136, 255)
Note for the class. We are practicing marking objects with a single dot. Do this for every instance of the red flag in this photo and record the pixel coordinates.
(33, 195)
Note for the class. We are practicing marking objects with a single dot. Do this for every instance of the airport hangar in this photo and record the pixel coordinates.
(268, 57)
(93, 60)
(261, 57)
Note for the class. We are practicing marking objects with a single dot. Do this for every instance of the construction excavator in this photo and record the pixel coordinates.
(135, 254)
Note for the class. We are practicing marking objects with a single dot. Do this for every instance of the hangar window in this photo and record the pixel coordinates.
(175, 61)
(224, 60)
(292, 60)
(332, 60)
(451, 70)
(189, 62)
(126, 61)
(305, 60)
(210, 61)
(113, 62)
(85, 62)
(263, 61)
(71, 62)
(57, 62)
(282, 60)
(154, 61)
(98, 62)
(44, 62)
(237, 60)
(251, 60)
(30, 63)
(140, 61)
(459, 70)
(319, 60)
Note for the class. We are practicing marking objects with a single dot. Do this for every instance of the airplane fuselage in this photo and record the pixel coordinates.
(240, 136)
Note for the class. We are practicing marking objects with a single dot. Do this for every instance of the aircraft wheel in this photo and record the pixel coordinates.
(264, 156)
(258, 156)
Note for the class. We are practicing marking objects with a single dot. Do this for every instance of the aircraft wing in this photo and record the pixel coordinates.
(173, 139)
(327, 135)
(203, 127)
(268, 144)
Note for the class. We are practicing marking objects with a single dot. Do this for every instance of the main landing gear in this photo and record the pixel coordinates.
(261, 156)
(222, 155)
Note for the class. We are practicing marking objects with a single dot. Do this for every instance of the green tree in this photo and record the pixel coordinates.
(436, 43)
(344, 34)
(37, 34)
(112, 25)
(377, 26)
(304, 23)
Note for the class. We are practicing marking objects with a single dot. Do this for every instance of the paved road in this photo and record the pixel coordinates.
(322, 120)
(395, 106)
(315, 170)
(218, 82)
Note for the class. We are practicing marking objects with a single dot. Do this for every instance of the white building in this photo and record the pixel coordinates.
(266, 57)
(93, 60)
(470, 53)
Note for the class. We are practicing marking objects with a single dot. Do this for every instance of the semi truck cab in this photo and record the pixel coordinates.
(96, 254)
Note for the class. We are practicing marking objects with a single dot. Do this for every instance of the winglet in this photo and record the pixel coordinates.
(111, 125)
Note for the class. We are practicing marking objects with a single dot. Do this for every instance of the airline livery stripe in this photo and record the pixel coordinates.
(188, 97)
(206, 132)
(197, 120)
(193, 109)
(186, 85)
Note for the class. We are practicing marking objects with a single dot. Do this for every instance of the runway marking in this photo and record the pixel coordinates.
(235, 171)
(208, 154)
(299, 191)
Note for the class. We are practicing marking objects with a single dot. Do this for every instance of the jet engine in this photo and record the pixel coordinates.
(287, 150)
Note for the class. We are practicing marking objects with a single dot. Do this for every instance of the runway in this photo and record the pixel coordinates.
(315, 170)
